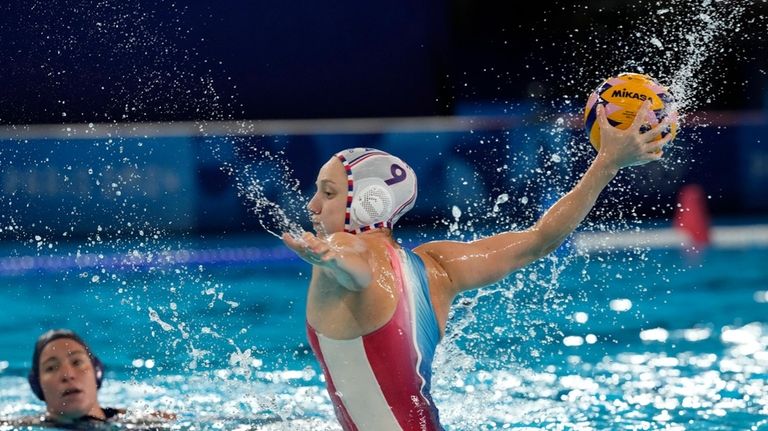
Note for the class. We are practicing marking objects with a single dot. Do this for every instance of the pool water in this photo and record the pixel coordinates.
(214, 331)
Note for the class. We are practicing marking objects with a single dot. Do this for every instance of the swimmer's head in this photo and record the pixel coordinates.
(63, 351)
(380, 189)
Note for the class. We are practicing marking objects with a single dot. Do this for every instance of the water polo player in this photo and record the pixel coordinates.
(67, 376)
(376, 311)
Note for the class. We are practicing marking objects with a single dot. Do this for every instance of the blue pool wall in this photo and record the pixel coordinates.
(182, 183)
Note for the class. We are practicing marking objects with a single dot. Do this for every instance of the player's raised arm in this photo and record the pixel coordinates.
(488, 260)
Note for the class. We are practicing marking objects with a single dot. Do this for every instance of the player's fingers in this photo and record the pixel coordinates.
(641, 116)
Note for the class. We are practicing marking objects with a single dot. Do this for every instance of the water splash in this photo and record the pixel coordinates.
(702, 36)
(264, 178)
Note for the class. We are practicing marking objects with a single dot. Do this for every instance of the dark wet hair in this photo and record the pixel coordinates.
(52, 335)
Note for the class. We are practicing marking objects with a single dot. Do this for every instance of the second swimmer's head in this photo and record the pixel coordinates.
(65, 374)
(374, 191)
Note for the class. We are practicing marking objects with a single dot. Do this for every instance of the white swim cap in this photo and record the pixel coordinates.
(380, 188)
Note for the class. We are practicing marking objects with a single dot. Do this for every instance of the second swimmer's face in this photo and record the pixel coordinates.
(68, 379)
(328, 206)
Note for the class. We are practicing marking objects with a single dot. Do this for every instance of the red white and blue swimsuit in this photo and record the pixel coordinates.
(381, 381)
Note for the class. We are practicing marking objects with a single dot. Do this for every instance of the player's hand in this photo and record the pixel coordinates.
(632, 146)
(311, 249)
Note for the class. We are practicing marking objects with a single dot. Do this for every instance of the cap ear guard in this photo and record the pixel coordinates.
(372, 202)
(98, 370)
(34, 384)
(34, 379)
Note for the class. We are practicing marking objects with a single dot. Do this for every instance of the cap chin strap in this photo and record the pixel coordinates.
(369, 228)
